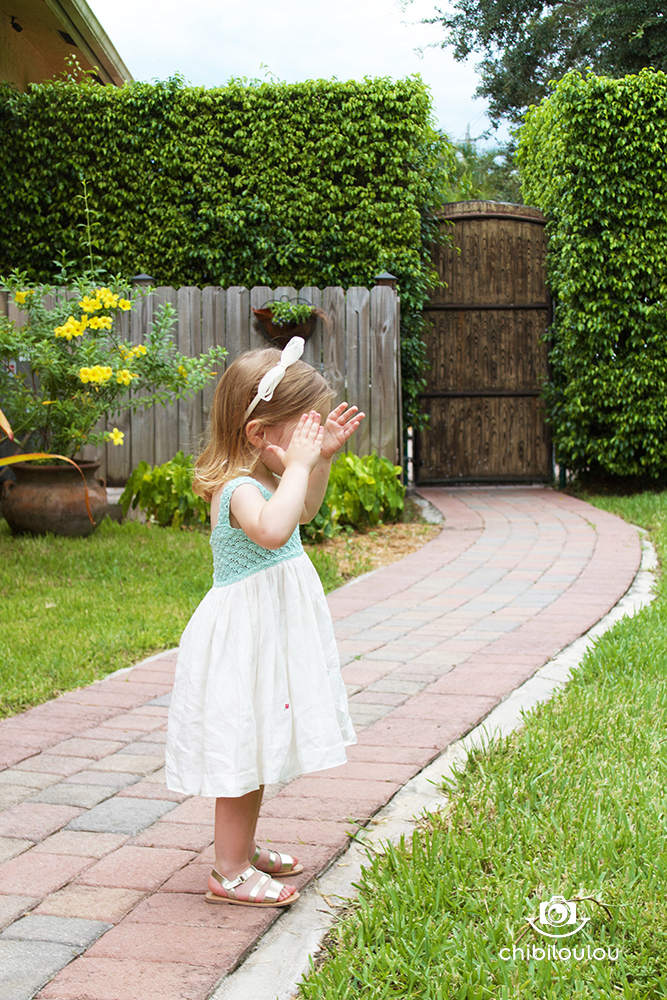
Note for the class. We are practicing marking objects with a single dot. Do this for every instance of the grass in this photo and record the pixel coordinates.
(574, 804)
(75, 609)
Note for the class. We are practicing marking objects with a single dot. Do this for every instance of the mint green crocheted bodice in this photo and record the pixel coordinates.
(235, 556)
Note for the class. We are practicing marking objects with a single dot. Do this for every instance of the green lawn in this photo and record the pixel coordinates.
(574, 804)
(75, 609)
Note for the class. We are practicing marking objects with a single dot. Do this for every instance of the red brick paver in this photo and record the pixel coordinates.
(429, 646)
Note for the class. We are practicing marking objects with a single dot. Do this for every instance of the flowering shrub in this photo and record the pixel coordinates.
(68, 366)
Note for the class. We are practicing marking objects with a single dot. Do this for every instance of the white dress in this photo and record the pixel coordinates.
(258, 696)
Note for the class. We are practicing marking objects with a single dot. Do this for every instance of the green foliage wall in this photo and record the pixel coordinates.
(315, 183)
(593, 157)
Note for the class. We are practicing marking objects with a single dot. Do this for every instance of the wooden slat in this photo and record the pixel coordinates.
(89, 453)
(259, 296)
(212, 335)
(190, 419)
(142, 441)
(17, 317)
(383, 337)
(4, 303)
(237, 321)
(166, 416)
(399, 394)
(357, 325)
(119, 457)
(334, 341)
(313, 349)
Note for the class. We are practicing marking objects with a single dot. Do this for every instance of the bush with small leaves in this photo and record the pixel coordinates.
(593, 157)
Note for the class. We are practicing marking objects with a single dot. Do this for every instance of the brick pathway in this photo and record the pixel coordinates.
(103, 869)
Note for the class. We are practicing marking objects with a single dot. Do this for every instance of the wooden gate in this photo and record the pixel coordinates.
(486, 351)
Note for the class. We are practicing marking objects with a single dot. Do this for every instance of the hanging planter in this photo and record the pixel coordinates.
(285, 318)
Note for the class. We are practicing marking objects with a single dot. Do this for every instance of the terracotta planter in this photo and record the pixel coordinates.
(52, 498)
(280, 336)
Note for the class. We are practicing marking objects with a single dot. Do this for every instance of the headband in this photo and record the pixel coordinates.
(275, 375)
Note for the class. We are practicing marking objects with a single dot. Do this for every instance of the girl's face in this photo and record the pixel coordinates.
(280, 435)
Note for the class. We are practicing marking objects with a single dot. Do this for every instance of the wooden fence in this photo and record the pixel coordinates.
(357, 350)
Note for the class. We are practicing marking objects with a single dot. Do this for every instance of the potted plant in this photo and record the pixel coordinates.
(284, 318)
(63, 371)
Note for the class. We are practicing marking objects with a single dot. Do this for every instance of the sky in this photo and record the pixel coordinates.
(208, 41)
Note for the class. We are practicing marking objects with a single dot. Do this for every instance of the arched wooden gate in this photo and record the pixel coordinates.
(486, 350)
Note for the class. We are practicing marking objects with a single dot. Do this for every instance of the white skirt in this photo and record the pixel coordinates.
(258, 696)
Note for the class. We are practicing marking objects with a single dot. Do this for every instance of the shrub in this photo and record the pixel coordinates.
(361, 493)
(165, 493)
(314, 183)
(593, 157)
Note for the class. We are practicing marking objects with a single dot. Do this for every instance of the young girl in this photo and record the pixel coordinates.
(258, 697)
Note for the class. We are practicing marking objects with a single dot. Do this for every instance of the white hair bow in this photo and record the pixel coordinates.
(269, 382)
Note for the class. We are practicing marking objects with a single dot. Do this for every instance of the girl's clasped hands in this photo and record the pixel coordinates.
(311, 440)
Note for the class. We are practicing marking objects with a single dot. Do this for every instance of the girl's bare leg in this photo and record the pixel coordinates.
(235, 822)
(252, 846)
(251, 843)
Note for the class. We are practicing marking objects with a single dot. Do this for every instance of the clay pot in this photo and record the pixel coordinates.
(280, 336)
(52, 498)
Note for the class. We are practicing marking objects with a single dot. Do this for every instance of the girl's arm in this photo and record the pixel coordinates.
(339, 426)
(270, 523)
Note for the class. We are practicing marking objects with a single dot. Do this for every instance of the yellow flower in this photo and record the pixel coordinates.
(107, 297)
(20, 297)
(89, 304)
(72, 328)
(116, 436)
(100, 322)
(182, 370)
(124, 377)
(127, 353)
(124, 304)
(98, 374)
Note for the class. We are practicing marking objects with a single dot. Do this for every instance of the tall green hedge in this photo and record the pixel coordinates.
(593, 157)
(315, 183)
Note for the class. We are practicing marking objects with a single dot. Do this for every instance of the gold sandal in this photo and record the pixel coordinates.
(288, 865)
(269, 888)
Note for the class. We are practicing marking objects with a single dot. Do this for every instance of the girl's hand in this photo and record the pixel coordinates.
(305, 445)
(340, 425)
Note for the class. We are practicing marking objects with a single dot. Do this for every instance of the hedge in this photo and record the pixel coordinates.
(254, 183)
(593, 157)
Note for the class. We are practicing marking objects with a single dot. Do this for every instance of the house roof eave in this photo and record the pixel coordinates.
(79, 21)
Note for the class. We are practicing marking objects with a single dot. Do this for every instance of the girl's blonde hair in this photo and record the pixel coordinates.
(228, 452)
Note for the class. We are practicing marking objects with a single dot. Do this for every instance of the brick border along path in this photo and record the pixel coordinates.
(103, 869)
